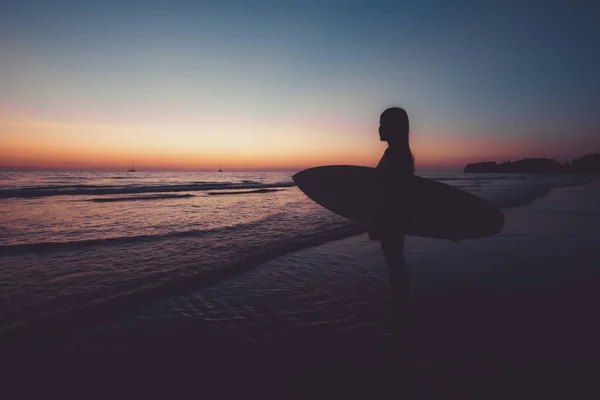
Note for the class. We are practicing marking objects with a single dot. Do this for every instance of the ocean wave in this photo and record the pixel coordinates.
(136, 198)
(93, 308)
(244, 192)
(477, 178)
(511, 198)
(74, 190)
(48, 247)
(508, 196)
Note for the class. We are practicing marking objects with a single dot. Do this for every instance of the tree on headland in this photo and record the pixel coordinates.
(587, 164)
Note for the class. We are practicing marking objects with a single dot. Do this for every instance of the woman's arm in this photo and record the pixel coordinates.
(377, 223)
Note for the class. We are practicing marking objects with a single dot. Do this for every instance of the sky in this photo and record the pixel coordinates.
(284, 85)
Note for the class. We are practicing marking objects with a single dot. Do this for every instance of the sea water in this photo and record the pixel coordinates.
(76, 243)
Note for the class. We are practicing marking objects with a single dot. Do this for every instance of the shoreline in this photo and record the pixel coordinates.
(139, 300)
(538, 220)
(518, 305)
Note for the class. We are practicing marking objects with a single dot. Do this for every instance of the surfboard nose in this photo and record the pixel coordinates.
(302, 178)
(298, 177)
(499, 222)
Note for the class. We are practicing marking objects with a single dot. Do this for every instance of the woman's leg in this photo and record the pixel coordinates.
(393, 250)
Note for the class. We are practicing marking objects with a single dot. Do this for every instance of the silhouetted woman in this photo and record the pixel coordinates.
(395, 168)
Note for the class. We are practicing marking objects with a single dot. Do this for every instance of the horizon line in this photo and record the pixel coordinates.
(285, 169)
(296, 169)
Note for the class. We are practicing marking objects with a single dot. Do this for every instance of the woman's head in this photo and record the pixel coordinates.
(393, 125)
(393, 128)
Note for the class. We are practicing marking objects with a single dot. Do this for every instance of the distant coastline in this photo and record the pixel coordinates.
(587, 164)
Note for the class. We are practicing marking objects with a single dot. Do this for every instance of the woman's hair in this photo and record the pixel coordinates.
(397, 118)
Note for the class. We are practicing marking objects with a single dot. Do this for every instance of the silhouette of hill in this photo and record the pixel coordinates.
(587, 164)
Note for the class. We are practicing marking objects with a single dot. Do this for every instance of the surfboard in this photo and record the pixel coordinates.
(435, 210)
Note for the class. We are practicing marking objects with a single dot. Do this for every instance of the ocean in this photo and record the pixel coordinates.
(80, 245)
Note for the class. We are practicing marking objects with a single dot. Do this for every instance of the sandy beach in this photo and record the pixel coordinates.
(519, 306)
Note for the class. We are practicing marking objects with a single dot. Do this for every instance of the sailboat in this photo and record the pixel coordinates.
(132, 168)
(220, 168)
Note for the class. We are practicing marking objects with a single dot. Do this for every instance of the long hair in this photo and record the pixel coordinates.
(398, 119)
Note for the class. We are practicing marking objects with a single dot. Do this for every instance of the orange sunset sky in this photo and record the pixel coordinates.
(282, 87)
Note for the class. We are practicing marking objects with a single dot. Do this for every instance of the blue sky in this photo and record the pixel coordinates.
(464, 70)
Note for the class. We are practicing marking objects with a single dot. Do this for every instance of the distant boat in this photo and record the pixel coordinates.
(220, 169)
(132, 168)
